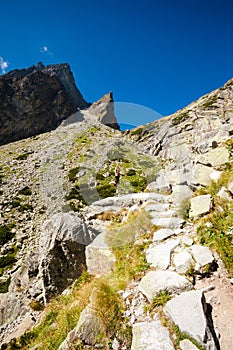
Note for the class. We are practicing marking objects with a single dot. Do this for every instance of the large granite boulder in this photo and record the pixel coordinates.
(62, 251)
(151, 336)
(190, 313)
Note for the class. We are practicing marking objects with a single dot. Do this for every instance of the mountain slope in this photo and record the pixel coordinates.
(56, 207)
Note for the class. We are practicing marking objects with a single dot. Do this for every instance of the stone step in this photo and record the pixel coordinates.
(170, 222)
(163, 214)
(157, 207)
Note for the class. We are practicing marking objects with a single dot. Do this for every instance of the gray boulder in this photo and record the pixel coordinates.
(200, 205)
(183, 262)
(162, 234)
(87, 330)
(155, 281)
(189, 312)
(160, 255)
(99, 258)
(62, 251)
(202, 255)
(151, 336)
(172, 222)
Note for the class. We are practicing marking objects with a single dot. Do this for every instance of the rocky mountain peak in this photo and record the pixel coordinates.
(104, 109)
(36, 99)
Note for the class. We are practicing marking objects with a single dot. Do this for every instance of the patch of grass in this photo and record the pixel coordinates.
(210, 102)
(23, 156)
(7, 261)
(136, 131)
(215, 229)
(26, 191)
(1, 177)
(73, 174)
(229, 144)
(36, 305)
(160, 299)
(6, 233)
(25, 207)
(180, 118)
(61, 316)
(130, 256)
(16, 202)
(4, 285)
(184, 209)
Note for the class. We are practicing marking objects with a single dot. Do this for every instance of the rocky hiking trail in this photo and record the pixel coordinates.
(198, 302)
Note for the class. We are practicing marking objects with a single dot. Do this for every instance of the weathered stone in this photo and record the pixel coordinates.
(104, 109)
(187, 345)
(223, 193)
(230, 187)
(87, 330)
(201, 254)
(155, 281)
(117, 203)
(187, 240)
(151, 336)
(181, 193)
(183, 262)
(188, 311)
(160, 255)
(200, 205)
(215, 157)
(99, 257)
(168, 222)
(62, 251)
(201, 174)
(162, 234)
(157, 207)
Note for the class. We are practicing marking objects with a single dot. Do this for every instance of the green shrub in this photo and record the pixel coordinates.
(72, 175)
(26, 191)
(25, 207)
(184, 209)
(15, 202)
(36, 305)
(180, 118)
(4, 285)
(23, 156)
(6, 233)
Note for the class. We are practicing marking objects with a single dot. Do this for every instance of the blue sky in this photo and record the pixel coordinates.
(161, 54)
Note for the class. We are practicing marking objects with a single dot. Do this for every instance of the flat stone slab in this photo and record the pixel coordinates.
(201, 254)
(168, 222)
(162, 234)
(157, 207)
(180, 193)
(99, 258)
(155, 281)
(163, 214)
(214, 157)
(117, 203)
(188, 312)
(200, 205)
(183, 261)
(160, 255)
(151, 336)
(187, 345)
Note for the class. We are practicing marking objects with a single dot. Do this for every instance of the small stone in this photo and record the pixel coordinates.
(187, 241)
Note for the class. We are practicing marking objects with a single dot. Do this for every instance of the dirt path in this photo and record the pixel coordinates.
(221, 300)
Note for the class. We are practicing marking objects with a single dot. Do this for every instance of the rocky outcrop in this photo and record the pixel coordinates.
(190, 313)
(62, 251)
(36, 100)
(104, 110)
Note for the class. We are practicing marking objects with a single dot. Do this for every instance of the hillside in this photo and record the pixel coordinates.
(83, 268)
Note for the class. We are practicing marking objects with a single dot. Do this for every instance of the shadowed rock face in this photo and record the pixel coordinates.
(36, 100)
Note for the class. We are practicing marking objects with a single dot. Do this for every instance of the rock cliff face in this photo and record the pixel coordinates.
(36, 100)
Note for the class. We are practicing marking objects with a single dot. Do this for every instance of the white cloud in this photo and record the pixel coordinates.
(44, 49)
(3, 65)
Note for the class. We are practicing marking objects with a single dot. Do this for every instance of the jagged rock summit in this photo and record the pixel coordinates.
(36, 100)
